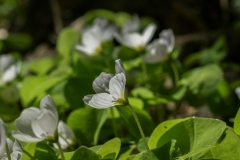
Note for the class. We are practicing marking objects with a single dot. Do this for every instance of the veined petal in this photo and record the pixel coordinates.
(23, 122)
(101, 83)
(45, 124)
(10, 144)
(65, 132)
(16, 146)
(117, 86)
(25, 137)
(167, 36)
(148, 32)
(48, 103)
(99, 101)
(2, 136)
(119, 67)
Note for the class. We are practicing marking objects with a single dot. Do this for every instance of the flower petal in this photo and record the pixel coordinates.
(84, 49)
(237, 91)
(6, 60)
(119, 67)
(117, 85)
(25, 137)
(101, 83)
(10, 73)
(65, 132)
(167, 37)
(48, 103)
(148, 32)
(23, 122)
(2, 136)
(133, 40)
(45, 124)
(132, 25)
(99, 101)
(17, 146)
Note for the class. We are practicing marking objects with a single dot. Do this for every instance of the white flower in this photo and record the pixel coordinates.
(2, 136)
(109, 88)
(15, 151)
(131, 25)
(237, 91)
(159, 48)
(94, 36)
(35, 124)
(65, 135)
(8, 68)
(136, 40)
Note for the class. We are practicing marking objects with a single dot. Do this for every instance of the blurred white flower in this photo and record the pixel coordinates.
(35, 124)
(2, 136)
(65, 135)
(15, 150)
(109, 88)
(94, 36)
(8, 68)
(159, 48)
(237, 91)
(131, 25)
(136, 40)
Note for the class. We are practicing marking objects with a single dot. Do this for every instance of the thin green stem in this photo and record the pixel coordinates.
(175, 73)
(61, 151)
(8, 152)
(113, 122)
(140, 129)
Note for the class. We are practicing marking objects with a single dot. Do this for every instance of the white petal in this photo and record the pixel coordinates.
(45, 124)
(132, 25)
(101, 83)
(84, 49)
(23, 122)
(6, 60)
(65, 132)
(10, 73)
(48, 103)
(2, 136)
(99, 101)
(17, 146)
(10, 144)
(167, 36)
(119, 67)
(16, 155)
(237, 91)
(133, 40)
(149, 32)
(117, 86)
(119, 38)
(25, 137)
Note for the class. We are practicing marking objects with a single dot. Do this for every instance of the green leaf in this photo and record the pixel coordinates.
(43, 66)
(36, 85)
(129, 121)
(86, 123)
(191, 134)
(66, 42)
(142, 92)
(228, 149)
(136, 102)
(110, 149)
(85, 154)
(203, 80)
(237, 123)
(68, 155)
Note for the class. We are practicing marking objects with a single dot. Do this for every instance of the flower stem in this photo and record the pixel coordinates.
(61, 151)
(175, 73)
(113, 122)
(140, 129)
(8, 152)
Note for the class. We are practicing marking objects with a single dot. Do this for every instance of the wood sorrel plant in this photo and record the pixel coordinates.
(110, 92)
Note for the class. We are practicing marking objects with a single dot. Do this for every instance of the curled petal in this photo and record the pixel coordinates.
(119, 67)
(167, 37)
(99, 101)
(45, 124)
(23, 123)
(48, 103)
(117, 86)
(25, 137)
(64, 132)
(101, 83)
(149, 32)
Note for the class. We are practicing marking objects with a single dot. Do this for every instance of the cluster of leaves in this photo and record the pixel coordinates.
(68, 77)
